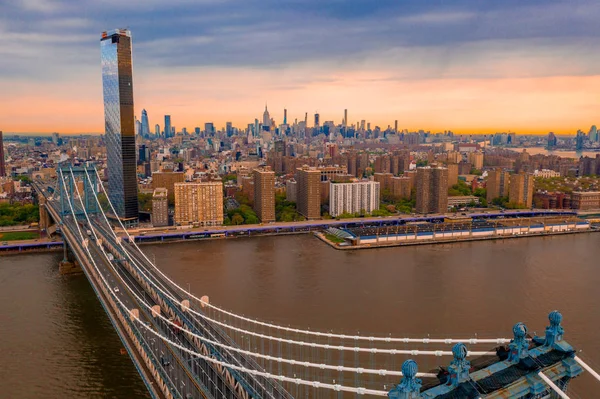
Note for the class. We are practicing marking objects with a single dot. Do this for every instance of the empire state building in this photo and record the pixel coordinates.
(266, 120)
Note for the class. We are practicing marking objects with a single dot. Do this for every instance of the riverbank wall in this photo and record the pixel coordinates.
(453, 240)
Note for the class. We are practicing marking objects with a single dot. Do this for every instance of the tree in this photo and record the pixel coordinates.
(103, 202)
(381, 211)
(386, 196)
(229, 177)
(145, 202)
(237, 219)
(15, 214)
(461, 188)
(242, 198)
(285, 211)
(24, 178)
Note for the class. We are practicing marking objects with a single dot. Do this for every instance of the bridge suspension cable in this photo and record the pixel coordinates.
(61, 178)
(131, 291)
(587, 367)
(298, 381)
(117, 274)
(321, 366)
(290, 329)
(552, 385)
(316, 384)
(356, 349)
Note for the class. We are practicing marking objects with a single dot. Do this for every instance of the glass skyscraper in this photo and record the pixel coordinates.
(167, 126)
(117, 84)
(145, 132)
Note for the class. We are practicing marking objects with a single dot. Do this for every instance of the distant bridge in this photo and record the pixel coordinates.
(185, 347)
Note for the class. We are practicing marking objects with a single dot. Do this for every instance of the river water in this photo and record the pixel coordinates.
(560, 153)
(57, 342)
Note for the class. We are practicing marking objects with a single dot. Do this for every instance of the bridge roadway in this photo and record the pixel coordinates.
(181, 379)
(118, 319)
(196, 324)
(187, 376)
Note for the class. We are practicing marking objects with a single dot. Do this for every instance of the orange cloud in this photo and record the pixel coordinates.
(192, 97)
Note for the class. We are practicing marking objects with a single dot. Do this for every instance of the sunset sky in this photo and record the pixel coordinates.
(466, 66)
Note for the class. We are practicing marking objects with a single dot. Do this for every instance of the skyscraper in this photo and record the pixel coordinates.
(317, 121)
(432, 190)
(145, 125)
(138, 127)
(285, 116)
(157, 130)
(209, 128)
(2, 166)
(345, 123)
(117, 84)
(266, 120)
(142, 153)
(308, 193)
(552, 141)
(167, 126)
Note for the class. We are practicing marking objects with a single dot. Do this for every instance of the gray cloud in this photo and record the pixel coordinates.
(43, 38)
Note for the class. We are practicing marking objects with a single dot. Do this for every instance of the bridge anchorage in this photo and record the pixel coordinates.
(186, 347)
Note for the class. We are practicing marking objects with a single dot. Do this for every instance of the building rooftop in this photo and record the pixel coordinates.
(159, 193)
(119, 32)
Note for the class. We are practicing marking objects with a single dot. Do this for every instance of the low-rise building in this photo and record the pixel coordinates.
(546, 173)
(585, 200)
(462, 200)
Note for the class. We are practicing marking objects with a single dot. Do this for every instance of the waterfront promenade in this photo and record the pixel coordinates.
(189, 233)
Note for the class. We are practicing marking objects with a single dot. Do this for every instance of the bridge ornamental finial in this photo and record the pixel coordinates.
(410, 386)
(459, 366)
(518, 347)
(554, 332)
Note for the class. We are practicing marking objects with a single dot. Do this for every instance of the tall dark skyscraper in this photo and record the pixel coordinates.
(2, 166)
(117, 85)
(167, 126)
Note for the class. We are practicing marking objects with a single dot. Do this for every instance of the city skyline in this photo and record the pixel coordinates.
(466, 67)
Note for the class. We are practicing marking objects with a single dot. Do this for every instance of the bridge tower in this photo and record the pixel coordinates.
(45, 220)
(75, 175)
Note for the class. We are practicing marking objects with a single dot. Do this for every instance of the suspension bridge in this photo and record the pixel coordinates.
(183, 346)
